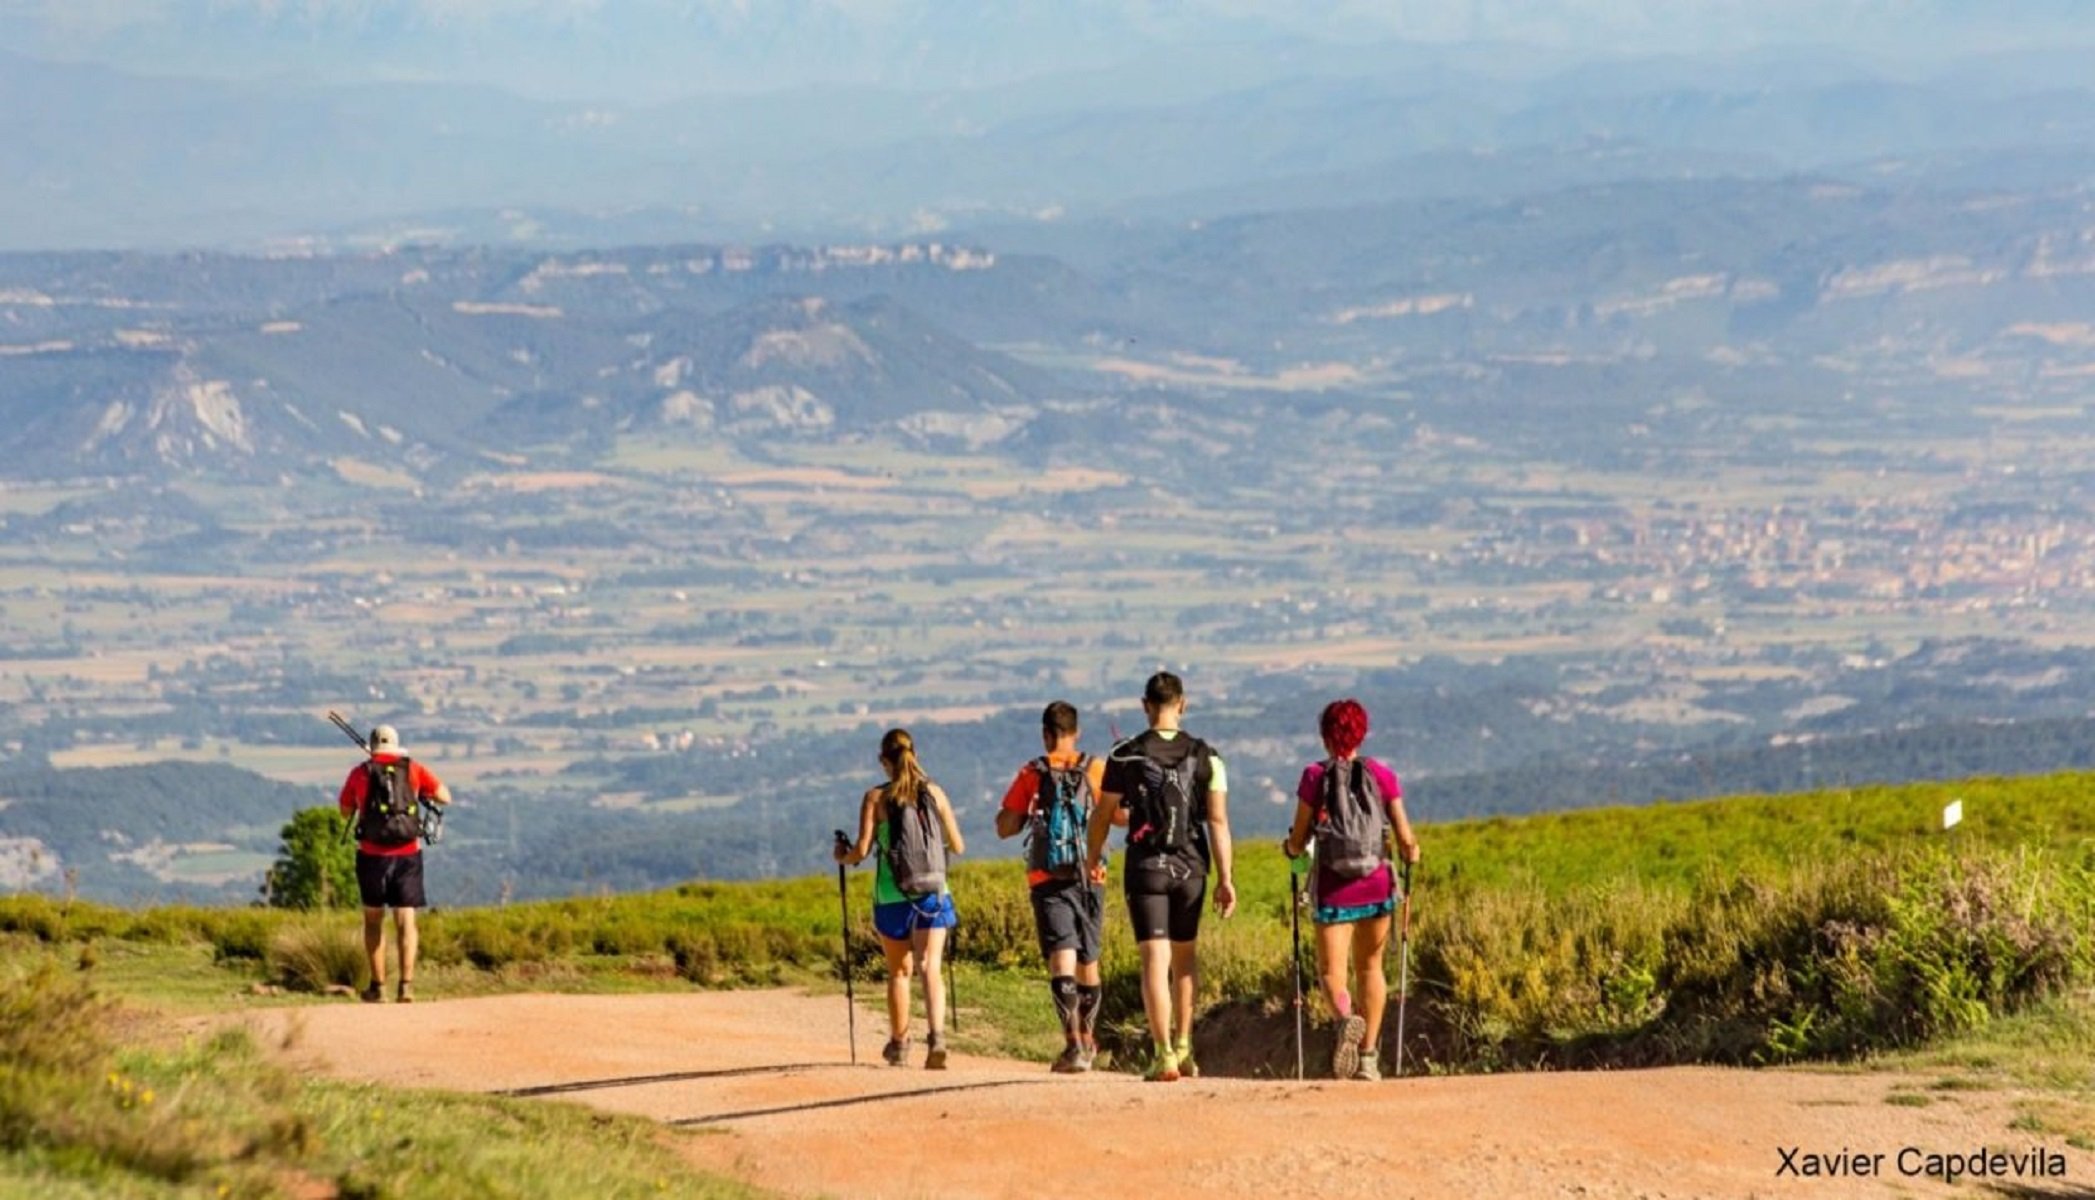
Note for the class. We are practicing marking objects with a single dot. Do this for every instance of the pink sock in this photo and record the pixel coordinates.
(1343, 1005)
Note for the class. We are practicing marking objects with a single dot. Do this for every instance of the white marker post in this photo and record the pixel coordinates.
(1952, 814)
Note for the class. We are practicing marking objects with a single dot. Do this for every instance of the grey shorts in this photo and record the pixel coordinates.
(1068, 913)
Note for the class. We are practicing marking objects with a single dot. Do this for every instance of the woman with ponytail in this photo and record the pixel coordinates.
(906, 826)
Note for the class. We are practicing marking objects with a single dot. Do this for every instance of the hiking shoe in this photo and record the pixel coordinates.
(406, 994)
(1163, 1068)
(1187, 1068)
(1345, 1046)
(1066, 1062)
(375, 994)
(896, 1052)
(935, 1054)
(1370, 1069)
(1086, 1055)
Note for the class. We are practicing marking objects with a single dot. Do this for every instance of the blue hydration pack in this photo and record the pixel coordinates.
(1056, 843)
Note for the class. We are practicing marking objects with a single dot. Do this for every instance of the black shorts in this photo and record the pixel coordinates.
(1068, 913)
(1165, 896)
(390, 881)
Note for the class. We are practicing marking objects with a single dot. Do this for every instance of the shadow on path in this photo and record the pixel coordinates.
(849, 1101)
(591, 1085)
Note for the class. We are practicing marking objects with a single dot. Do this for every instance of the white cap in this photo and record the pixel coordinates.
(385, 740)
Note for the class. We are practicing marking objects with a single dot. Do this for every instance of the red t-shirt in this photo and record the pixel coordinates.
(1024, 793)
(419, 777)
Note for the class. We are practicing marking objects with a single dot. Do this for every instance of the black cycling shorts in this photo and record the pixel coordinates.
(390, 880)
(1068, 913)
(1165, 896)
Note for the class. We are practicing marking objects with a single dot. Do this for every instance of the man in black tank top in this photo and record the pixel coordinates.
(1175, 789)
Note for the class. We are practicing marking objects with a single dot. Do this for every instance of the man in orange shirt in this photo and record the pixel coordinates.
(385, 794)
(1051, 801)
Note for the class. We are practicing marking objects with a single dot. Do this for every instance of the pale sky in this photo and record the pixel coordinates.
(625, 48)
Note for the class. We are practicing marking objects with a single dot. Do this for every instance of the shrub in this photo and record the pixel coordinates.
(312, 955)
(242, 935)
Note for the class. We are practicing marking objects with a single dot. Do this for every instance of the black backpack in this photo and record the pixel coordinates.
(392, 813)
(1056, 843)
(916, 847)
(1352, 822)
(1160, 815)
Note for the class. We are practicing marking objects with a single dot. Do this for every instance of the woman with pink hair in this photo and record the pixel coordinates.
(1347, 808)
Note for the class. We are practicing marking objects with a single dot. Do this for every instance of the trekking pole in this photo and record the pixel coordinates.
(844, 963)
(349, 825)
(347, 728)
(1295, 925)
(1403, 966)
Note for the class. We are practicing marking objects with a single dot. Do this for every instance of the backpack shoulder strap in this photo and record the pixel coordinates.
(1330, 785)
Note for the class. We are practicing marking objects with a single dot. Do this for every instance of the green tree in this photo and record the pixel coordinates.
(315, 866)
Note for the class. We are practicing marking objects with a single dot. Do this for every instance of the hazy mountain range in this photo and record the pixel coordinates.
(821, 120)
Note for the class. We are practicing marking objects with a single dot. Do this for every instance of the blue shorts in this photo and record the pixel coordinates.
(898, 920)
(1346, 914)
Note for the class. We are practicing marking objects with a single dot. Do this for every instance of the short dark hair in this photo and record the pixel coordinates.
(1059, 719)
(1163, 688)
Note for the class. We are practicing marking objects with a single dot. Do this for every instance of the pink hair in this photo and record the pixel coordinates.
(1344, 725)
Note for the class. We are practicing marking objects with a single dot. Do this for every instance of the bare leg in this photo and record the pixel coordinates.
(410, 943)
(1334, 955)
(930, 945)
(1185, 987)
(898, 971)
(1367, 970)
(1086, 973)
(1156, 988)
(1064, 962)
(375, 944)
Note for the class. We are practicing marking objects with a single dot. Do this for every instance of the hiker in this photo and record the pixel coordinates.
(1174, 789)
(385, 793)
(1051, 801)
(1348, 807)
(911, 823)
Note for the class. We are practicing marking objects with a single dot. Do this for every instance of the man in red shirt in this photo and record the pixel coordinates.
(383, 795)
(1067, 898)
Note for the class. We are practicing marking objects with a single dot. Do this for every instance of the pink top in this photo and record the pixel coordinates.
(1376, 888)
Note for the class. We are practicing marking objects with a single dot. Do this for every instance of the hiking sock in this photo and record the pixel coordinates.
(1342, 1005)
(1090, 998)
(1064, 989)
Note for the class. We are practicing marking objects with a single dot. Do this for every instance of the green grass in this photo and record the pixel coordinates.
(1756, 930)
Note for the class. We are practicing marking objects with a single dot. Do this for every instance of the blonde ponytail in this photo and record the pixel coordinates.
(906, 778)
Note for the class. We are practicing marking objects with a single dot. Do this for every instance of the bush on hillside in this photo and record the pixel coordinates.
(313, 955)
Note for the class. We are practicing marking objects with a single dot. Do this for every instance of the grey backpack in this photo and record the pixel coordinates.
(1352, 822)
(916, 849)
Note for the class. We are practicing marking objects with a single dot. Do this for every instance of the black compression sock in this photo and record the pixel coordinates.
(1090, 998)
(1064, 989)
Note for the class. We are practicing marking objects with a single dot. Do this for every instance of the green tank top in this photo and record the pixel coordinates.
(884, 889)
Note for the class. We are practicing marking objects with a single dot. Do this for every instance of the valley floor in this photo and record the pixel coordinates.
(763, 1080)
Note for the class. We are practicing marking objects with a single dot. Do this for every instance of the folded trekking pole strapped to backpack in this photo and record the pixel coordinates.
(400, 821)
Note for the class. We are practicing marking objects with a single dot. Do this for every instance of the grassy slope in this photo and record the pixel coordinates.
(1539, 941)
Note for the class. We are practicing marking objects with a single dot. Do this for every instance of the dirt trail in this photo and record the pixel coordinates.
(768, 1070)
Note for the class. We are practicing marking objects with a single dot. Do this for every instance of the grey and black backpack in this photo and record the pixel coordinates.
(916, 848)
(1061, 815)
(392, 813)
(1160, 813)
(1352, 821)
